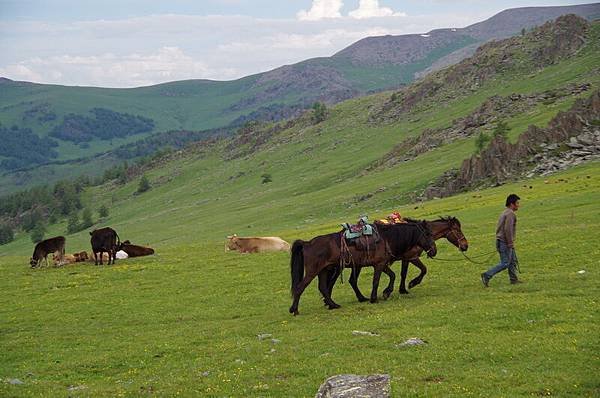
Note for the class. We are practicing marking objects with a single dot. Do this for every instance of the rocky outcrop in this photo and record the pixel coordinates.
(572, 136)
(483, 118)
(354, 386)
(539, 48)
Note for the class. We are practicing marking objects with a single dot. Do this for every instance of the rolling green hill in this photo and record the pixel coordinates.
(70, 114)
(185, 321)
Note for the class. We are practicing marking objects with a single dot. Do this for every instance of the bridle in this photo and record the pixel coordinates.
(459, 239)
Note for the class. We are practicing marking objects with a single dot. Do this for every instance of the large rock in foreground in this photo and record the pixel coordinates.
(355, 386)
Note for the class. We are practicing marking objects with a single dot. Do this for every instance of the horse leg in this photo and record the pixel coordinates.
(390, 288)
(298, 291)
(419, 277)
(376, 277)
(403, 273)
(354, 283)
(324, 279)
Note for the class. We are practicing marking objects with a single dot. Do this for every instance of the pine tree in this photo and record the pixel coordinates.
(481, 142)
(37, 233)
(319, 112)
(6, 234)
(501, 129)
(73, 223)
(86, 221)
(103, 211)
(144, 184)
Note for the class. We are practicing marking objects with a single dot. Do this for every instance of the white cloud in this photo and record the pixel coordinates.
(371, 8)
(321, 9)
(160, 48)
(20, 72)
(110, 70)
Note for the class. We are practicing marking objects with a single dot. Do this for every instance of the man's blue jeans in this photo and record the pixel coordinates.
(508, 259)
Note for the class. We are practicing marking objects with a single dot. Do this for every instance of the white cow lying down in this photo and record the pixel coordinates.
(257, 244)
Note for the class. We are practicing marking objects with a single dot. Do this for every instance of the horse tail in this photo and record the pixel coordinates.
(297, 263)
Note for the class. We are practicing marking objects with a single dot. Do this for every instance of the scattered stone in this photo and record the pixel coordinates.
(363, 333)
(581, 272)
(273, 350)
(264, 336)
(15, 381)
(412, 341)
(275, 341)
(240, 361)
(355, 386)
(75, 388)
(206, 373)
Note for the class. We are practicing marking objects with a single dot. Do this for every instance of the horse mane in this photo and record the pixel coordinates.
(441, 218)
(412, 220)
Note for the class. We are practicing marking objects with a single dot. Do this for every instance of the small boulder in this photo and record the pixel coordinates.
(355, 386)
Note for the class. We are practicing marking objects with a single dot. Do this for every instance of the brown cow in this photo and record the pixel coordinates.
(81, 256)
(135, 250)
(45, 247)
(70, 258)
(90, 257)
(257, 244)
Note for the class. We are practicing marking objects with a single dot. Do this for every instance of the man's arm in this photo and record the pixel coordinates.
(509, 229)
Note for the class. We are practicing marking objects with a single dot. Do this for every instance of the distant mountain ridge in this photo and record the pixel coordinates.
(369, 65)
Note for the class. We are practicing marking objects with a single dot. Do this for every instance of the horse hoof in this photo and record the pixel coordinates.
(334, 306)
(362, 299)
(404, 291)
(386, 295)
(413, 284)
(374, 301)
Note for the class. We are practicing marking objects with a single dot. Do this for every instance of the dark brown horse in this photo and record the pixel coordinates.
(323, 255)
(445, 227)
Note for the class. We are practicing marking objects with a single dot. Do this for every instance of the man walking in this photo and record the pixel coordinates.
(505, 242)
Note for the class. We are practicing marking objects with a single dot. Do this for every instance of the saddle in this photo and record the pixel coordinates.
(362, 235)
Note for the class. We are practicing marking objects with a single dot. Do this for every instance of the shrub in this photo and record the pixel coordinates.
(6, 234)
(144, 184)
(103, 211)
(319, 112)
(37, 233)
(481, 142)
(266, 178)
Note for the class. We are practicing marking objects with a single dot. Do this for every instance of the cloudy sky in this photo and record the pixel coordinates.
(121, 43)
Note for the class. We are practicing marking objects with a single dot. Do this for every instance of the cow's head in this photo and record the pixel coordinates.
(232, 242)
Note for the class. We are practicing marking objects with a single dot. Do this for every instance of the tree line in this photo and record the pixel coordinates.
(105, 125)
(21, 147)
(33, 210)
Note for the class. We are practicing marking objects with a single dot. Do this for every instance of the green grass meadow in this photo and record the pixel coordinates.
(185, 321)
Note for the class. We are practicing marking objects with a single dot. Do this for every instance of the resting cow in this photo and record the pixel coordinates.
(45, 247)
(62, 260)
(257, 244)
(104, 240)
(135, 250)
(70, 258)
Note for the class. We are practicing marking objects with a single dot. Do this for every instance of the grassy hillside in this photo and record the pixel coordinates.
(372, 64)
(186, 320)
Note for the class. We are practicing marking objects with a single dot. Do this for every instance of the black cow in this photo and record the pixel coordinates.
(45, 247)
(105, 240)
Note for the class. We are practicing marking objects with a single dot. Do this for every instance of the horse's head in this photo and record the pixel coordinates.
(455, 235)
(426, 240)
(33, 262)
